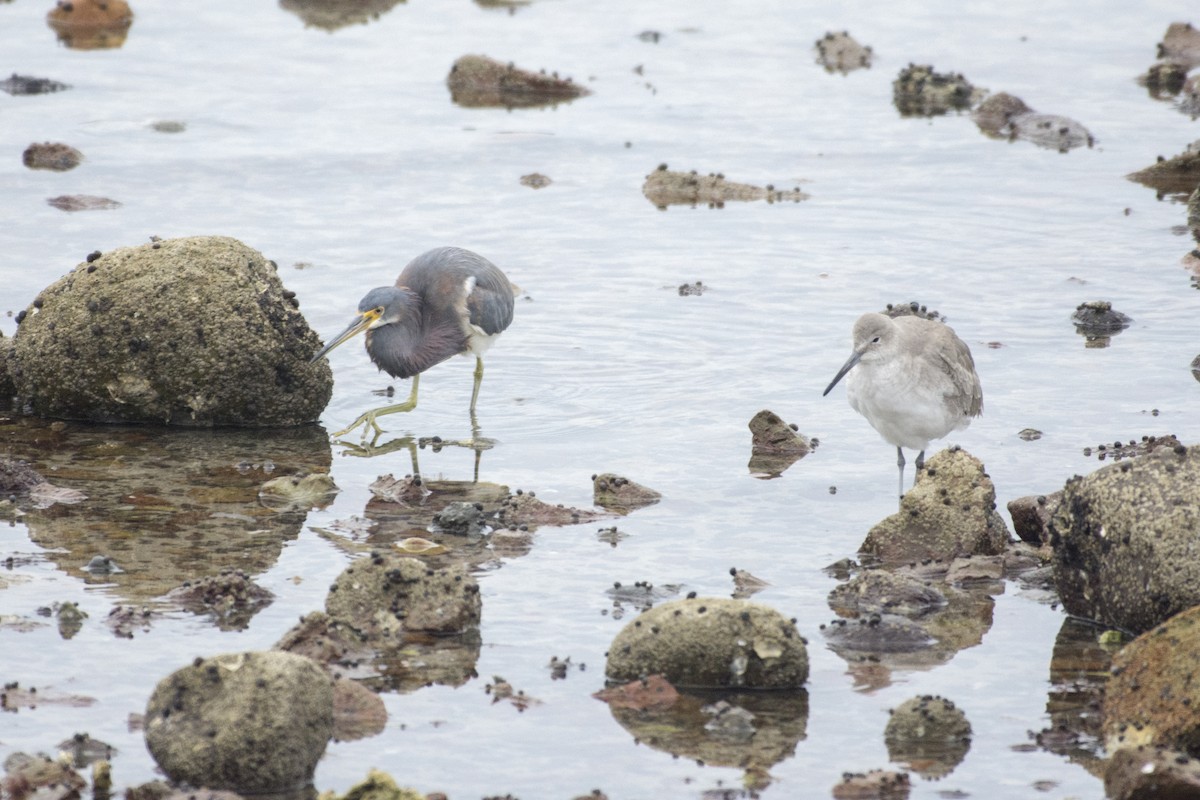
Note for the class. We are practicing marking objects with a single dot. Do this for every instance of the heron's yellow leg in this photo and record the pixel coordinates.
(478, 380)
(368, 419)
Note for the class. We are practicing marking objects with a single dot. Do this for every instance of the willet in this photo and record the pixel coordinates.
(915, 381)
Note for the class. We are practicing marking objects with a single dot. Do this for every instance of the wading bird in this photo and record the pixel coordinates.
(913, 379)
(448, 301)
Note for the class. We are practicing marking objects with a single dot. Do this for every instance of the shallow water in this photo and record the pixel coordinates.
(340, 156)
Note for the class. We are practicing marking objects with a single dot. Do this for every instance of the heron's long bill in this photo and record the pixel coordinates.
(360, 324)
(849, 365)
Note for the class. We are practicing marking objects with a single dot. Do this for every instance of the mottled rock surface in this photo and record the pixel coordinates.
(91, 24)
(1125, 540)
(1152, 695)
(54, 156)
(1005, 116)
(711, 643)
(929, 734)
(621, 495)
(949, 512)
(918, 91)
(665, 187)
(251, 722)
(840, 52)
(383, 594)
(1178, 174)
(1151, 773)
(1031, 516)
(193, 332)
(479, 81)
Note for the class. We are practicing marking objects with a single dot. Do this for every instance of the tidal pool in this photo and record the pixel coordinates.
(338, 153)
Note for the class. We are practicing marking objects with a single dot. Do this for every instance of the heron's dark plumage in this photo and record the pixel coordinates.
(442, 300)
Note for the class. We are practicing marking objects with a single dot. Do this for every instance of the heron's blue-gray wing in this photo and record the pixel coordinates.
(490, 303)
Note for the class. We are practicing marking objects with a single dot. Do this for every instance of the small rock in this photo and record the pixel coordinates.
(653, 691)
(665, 187)
(918, 91)
(478, 81)
(229, 597)
(52, 155)
(615, 493)
(82, 202)
(711, 643)
(877, 784)
(535, 180)
(839, 52)
(26, 84)
(1031, 516)
(949, 512)
(929, 734)
(1005, 116)
(1178, 175)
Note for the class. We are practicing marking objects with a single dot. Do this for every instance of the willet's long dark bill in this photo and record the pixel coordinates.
(913, 379)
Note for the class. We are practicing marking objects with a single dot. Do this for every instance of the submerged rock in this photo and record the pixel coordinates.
(949, 512)
(1005, 116)
(229, 597)
(251, 722)
(883, 592)
(1097, 318)
(193, 332)
(1151, 696)
(82, 202)
(1176, 175)
(711, 643)
(877, 634)
(27, 84)
(918, 91)
(621, 495)
(52, 155)
(839, 52)
(929, 734)
(775, 445)
(478, 81)
(298, 492)
(1125, 537)
(665, 187)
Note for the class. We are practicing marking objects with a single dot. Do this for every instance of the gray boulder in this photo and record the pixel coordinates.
(1125, 538)
(194, 332)
(250, 722)
(706, 642)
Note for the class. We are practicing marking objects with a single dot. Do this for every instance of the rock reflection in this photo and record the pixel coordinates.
(752, 731)
(1079, 671)
(907, 619)
(168, 506)
(330, 15)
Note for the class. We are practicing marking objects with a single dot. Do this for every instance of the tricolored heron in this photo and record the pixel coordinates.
(915, 381)
(446, 302)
